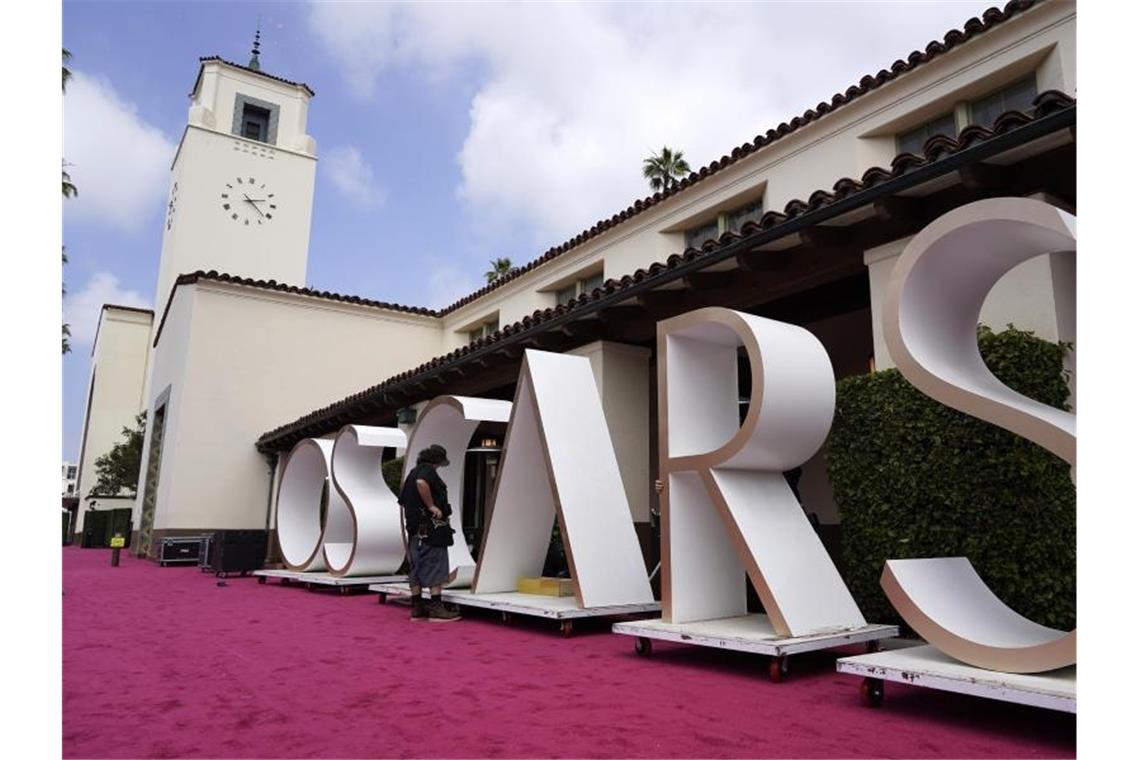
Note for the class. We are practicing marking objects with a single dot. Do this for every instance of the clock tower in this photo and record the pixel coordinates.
(241, 192)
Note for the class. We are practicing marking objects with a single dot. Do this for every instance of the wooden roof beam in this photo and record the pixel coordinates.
(698, 281)
(898, 208)
(984, 176)
(764, 261)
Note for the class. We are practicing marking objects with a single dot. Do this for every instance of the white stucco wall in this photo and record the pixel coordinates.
(115, 390)
(255, 359)
(165, 388)
(203, 235)
(221, 83)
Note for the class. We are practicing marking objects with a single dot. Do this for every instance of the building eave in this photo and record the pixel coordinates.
(1053, 112)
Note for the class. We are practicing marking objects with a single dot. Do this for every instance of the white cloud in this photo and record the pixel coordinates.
(119, 162)
(352, 176)
(81, 310)
(571, 97)
(447, 284)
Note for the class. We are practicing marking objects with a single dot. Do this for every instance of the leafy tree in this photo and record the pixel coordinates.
(499, 268)
(118, 470)
(665, 168)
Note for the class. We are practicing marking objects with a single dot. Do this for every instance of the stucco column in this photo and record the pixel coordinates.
(622, 375)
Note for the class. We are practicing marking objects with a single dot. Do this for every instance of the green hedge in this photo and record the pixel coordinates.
(393, 471)
(914, 478)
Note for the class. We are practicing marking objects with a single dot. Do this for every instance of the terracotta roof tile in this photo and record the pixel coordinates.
(215, 276)
(128, 308)
(935, 149)
(207, 58)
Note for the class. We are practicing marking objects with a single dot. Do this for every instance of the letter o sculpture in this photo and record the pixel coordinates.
(931, 312)
(300, 530)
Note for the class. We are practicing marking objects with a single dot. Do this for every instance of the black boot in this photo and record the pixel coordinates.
(419, 608)
(437, 613)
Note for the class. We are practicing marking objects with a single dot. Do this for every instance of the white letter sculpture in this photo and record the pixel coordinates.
(363, 530)
(559, 463)
(728, 509)
(450, 421)
(931, 313)
(360, 532)
(300, 529)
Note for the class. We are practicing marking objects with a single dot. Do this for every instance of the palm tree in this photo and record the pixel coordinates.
(665, 168)
(499, 268)
(69, 190)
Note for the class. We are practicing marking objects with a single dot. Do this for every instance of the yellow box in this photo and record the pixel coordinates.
(546, 586)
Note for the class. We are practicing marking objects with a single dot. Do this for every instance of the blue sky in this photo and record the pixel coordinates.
(447, 134)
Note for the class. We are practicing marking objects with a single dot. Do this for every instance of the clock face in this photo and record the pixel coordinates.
(248, 202)
(170, 206)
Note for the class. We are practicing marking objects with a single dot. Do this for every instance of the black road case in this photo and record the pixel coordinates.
(181, 550)
(235, 551)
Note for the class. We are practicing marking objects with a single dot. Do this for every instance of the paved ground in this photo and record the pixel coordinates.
(162, 662)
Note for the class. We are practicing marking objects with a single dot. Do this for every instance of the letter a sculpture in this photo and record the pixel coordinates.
(559, 463)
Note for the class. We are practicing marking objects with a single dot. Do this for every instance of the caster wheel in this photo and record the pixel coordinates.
(871, 692)
(777, 669)
(567, 628)
(162, 564)
(508, 619)
(344, 590)
(381, 598)
(285, 581)
(873, 646)
(643, 646)
(261, 579)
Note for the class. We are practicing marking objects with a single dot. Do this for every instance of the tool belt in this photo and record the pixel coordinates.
(435, 532)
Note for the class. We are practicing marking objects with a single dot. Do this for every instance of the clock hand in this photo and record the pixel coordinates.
(253, 203)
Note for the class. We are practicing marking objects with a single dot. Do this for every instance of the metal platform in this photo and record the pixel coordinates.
(315, 580)
(749, 633)
(564, 609)
(927, 667)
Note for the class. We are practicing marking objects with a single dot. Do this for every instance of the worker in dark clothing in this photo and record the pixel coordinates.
(423, 498)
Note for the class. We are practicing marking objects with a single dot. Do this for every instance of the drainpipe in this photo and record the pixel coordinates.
(271, 462)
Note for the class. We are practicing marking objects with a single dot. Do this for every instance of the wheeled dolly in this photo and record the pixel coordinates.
(923, 666)
(749, 633)
(871, 692)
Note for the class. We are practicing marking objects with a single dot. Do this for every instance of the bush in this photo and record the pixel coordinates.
(914, 478)
(393, 471)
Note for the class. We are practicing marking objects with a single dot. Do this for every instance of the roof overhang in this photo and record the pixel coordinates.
(886, 204)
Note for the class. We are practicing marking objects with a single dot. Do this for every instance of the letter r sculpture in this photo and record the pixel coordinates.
(728, 513)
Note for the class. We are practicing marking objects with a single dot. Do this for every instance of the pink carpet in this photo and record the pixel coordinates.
(162, 662)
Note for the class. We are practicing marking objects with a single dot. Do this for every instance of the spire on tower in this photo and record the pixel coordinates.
(254, 62)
